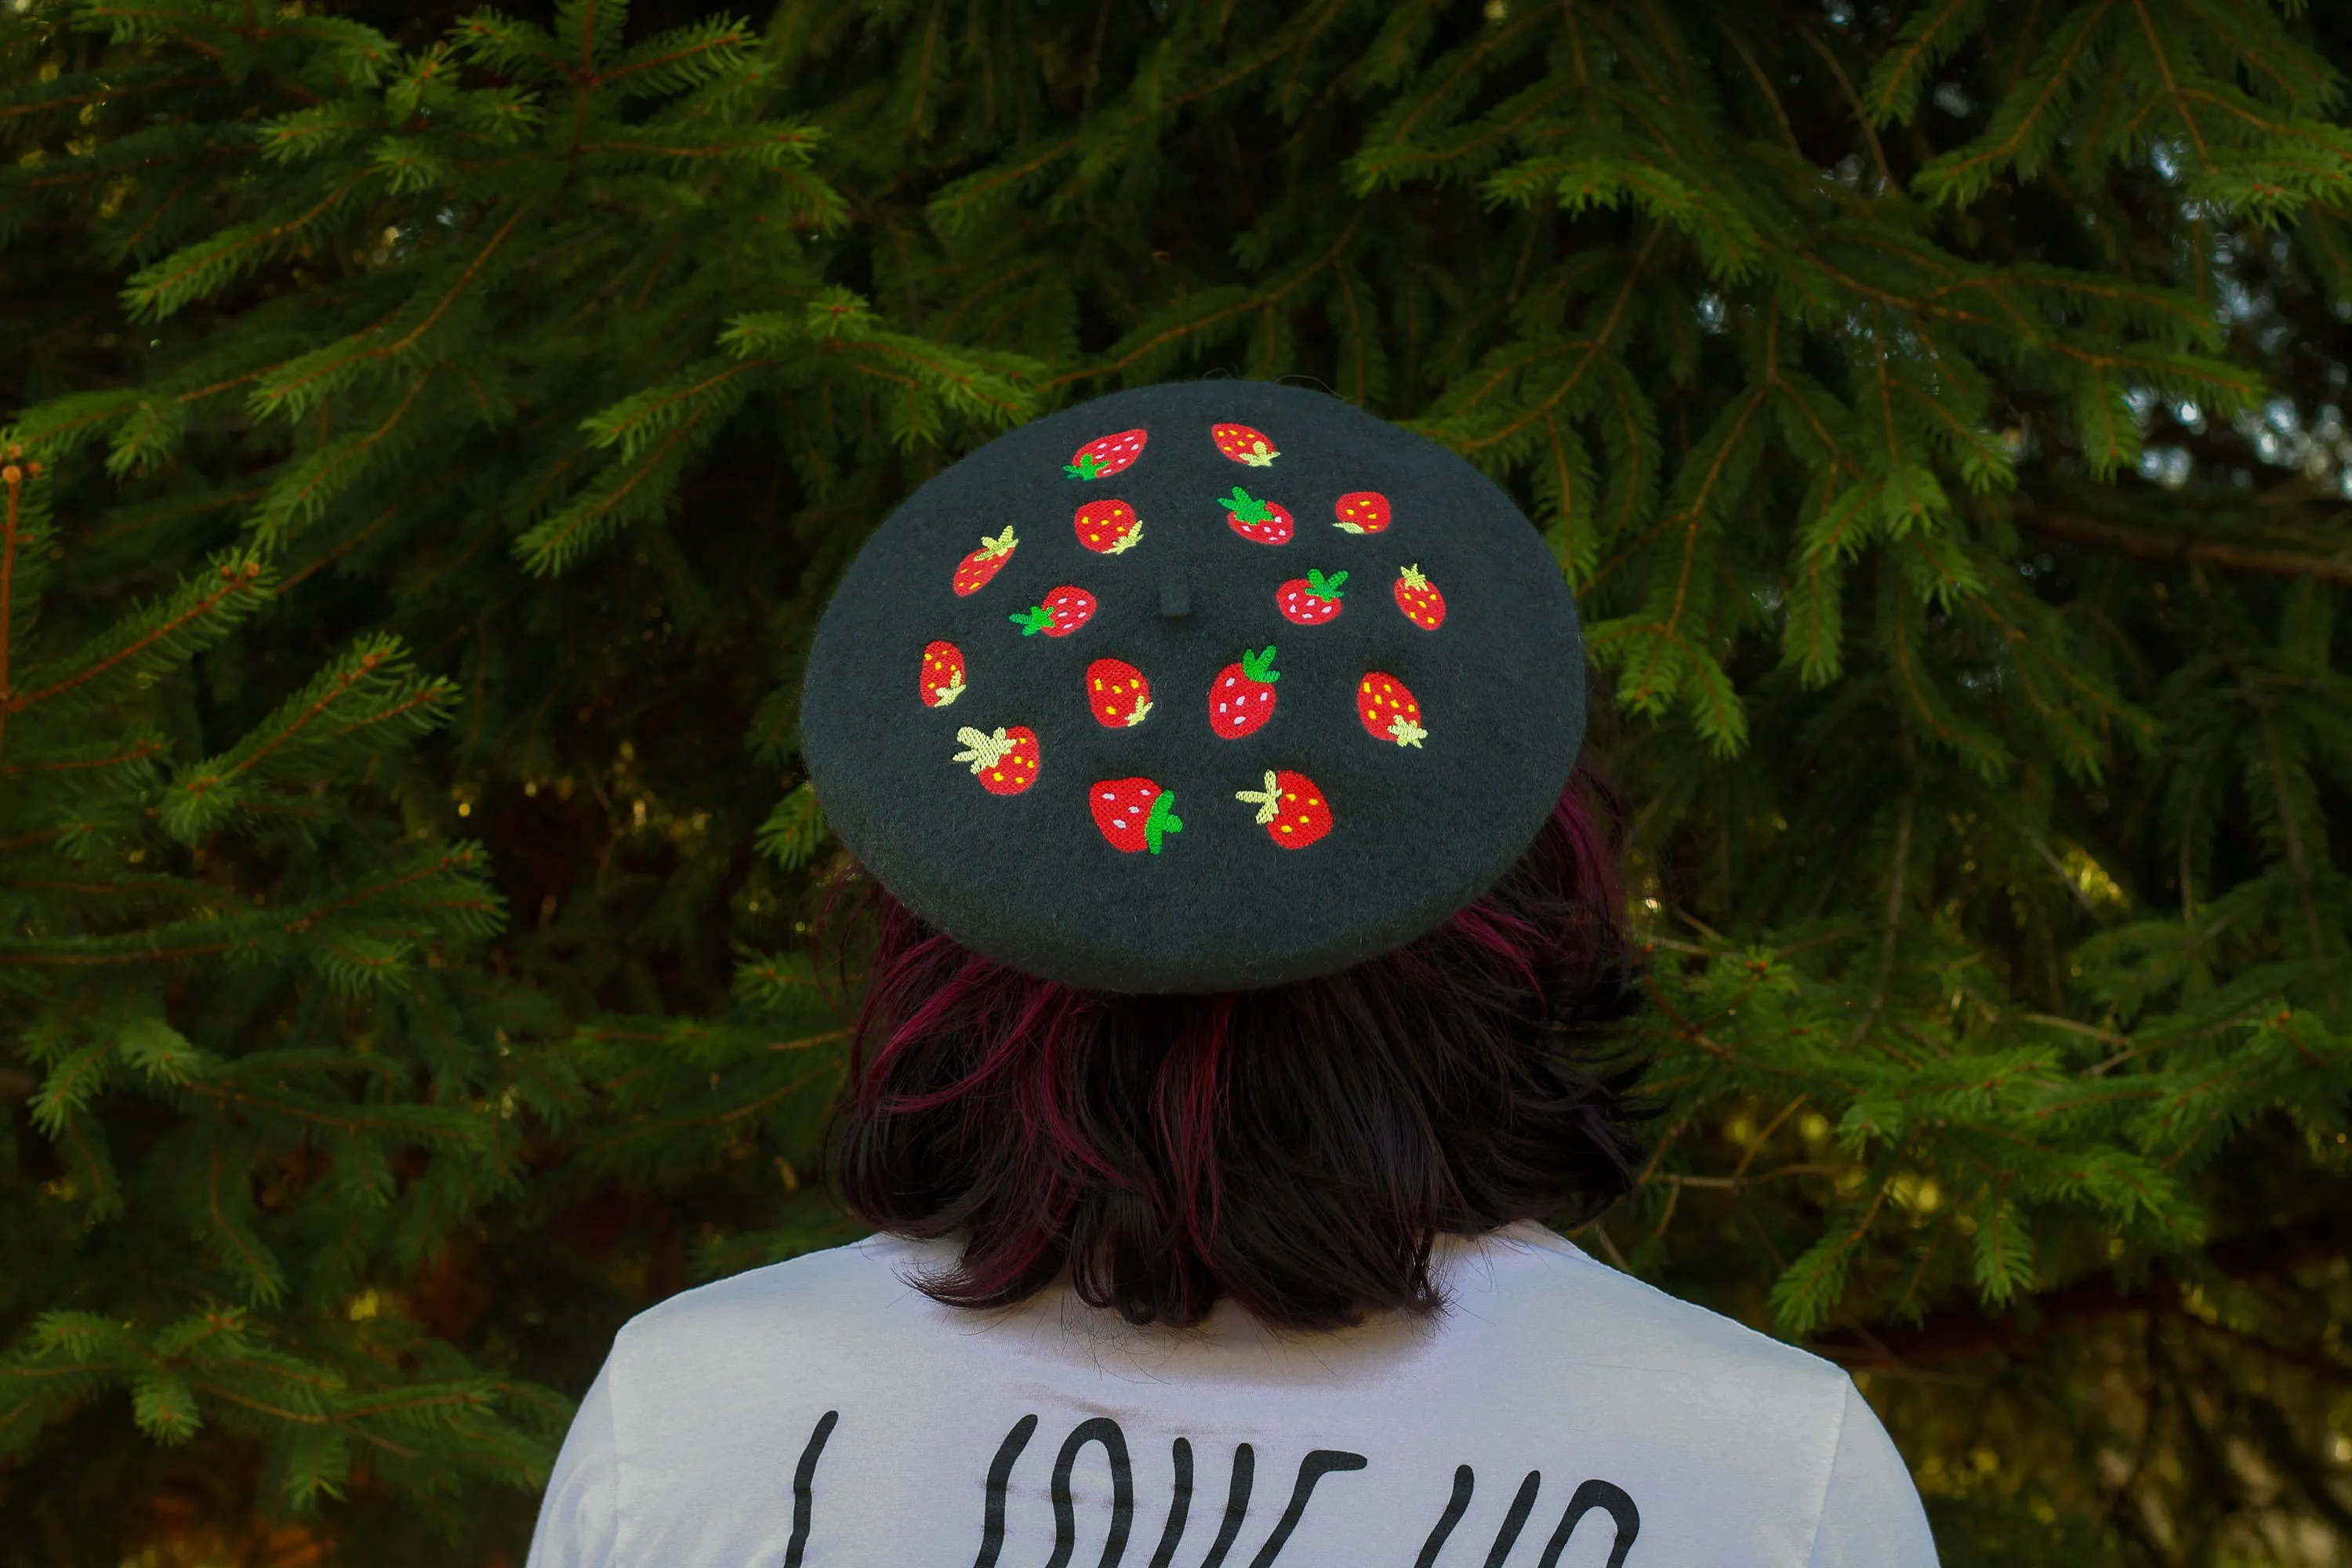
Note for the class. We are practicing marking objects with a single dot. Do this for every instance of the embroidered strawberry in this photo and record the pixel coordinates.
(1135, 814)
(984, 563)
(1260, 522)
(1242, 697)
(1004, 762)
(1244, 445)
(942, 677)
(1389, 710)
(1106, 455)
(1417, 597)
(1291, 809)
(1310, 600)
(1361, 511)
(1108, 526)
(1117, 693)
(1065, 609)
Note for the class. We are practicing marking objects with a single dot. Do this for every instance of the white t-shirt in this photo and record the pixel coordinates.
(1559, 1414)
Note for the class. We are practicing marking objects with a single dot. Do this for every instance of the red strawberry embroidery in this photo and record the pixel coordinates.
(1389, 710)
(1106, 455)
(1244, 445)
(1260, 522)
(1291, 809)
(1065, 609)
(1417, 597)
(1310, 600)
(1108, 526)
(984, 563)
(942, 677)
(1117, 693)
(1135, 814)
(1242, 697)
(1361, 511)
(1004, 762)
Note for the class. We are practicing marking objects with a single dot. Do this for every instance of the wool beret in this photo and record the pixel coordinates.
(1201, 687)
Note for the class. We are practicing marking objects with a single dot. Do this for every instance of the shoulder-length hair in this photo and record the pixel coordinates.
(1298, 1149)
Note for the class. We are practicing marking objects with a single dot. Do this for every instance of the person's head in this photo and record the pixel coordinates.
(1242, 926)
(1298, 1149)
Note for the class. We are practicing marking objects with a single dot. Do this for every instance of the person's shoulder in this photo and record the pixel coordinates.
(840, 1289)
(1539, 1279)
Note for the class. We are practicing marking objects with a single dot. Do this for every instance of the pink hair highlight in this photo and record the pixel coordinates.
(994, 1058)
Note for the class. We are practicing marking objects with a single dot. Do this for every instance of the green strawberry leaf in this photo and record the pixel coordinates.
(1260, 666)
(1324, 587)
(1033, 621)
(1162, 821)
(1243, 507)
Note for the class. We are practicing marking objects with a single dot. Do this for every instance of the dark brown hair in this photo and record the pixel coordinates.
(1298, 1149)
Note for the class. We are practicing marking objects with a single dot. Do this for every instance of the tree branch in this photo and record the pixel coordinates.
(1967, 1331)
(2150, 545)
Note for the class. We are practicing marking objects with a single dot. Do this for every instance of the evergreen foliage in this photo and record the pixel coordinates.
(433, 433)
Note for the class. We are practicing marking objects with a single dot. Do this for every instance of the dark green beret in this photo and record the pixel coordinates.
(1195, 688)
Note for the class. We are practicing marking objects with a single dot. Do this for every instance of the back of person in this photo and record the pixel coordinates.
(1557, 1413)
(1212, 1152)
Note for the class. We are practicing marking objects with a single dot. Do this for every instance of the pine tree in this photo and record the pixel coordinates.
(273, 1088)
(448, 425)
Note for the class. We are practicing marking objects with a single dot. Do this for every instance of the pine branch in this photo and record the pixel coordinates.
(239, 583)
(1968, 1335)
(296, 388)
(156, 292)
(684, 58)
(2165, 547)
